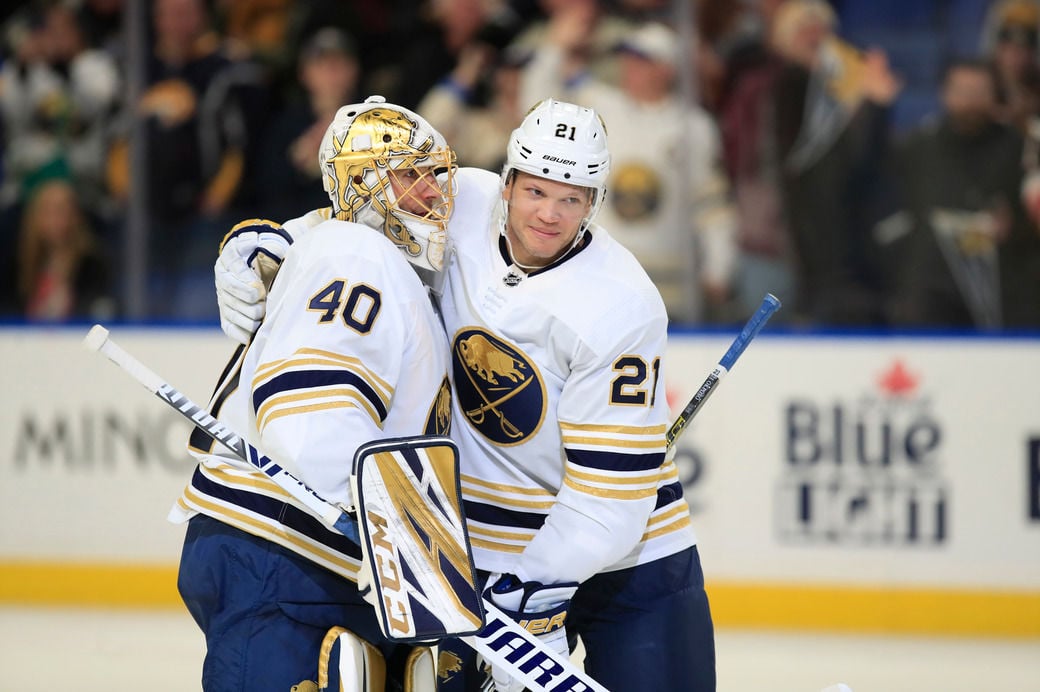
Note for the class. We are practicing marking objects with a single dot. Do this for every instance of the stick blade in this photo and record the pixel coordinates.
(95, 338)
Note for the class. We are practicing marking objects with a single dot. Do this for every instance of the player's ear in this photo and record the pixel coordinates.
(507, 184)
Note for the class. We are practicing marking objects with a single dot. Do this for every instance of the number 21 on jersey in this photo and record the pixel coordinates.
(630, 387)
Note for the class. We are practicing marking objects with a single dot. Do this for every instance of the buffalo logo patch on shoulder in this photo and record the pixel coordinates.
(500, 391)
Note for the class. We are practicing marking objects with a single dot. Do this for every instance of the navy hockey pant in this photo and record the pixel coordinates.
(264, 610)
(644, 628)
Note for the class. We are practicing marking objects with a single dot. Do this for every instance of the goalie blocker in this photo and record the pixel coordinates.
(414, 539)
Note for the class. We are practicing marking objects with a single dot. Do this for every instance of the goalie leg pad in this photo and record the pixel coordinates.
(349, 663)
(420, 671)
(415, 540)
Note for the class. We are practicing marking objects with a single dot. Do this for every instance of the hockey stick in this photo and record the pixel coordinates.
(502, 642)
(770, 304)
(97, 340)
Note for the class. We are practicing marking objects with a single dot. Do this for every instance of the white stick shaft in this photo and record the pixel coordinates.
(97, 339)
(502, 642)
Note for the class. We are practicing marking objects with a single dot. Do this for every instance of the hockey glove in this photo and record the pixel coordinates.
(249, 259)
(540, 609)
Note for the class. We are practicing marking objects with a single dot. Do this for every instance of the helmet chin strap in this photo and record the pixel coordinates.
(509, 245)
(503, 225)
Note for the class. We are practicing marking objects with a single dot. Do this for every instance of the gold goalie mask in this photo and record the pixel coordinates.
(387, 168)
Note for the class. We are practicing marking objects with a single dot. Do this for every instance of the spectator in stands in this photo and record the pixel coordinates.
(591, 32)
(479, 127)
(747, 111)
(257, 28)
(103, 25)
(263, 34)
(1011, 39)
(731, 34)
(287, 177)
(431, 44)
(57, 95)
(668, 197)
(969, 257)
(196, 130)
(62, 273)
(832, 103)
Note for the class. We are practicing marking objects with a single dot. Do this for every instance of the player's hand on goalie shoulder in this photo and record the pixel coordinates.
(541, 609)
(249, 259)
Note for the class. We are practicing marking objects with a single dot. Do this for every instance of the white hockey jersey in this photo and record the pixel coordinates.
(559, 406)
(351, 350)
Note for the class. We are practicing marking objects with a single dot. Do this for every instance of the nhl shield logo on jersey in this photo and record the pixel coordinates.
(499, 390)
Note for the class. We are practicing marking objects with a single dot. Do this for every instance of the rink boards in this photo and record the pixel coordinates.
(866, 483)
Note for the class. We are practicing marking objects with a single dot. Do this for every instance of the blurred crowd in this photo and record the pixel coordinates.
(753, 141)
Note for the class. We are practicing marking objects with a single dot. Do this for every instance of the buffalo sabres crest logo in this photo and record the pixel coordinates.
(636, 192)
(438, 421)
(499, 390)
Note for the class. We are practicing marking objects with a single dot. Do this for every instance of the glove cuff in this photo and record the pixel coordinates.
(537, 607)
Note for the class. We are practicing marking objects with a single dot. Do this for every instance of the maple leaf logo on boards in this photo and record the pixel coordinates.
(897, 380)
(672, 397)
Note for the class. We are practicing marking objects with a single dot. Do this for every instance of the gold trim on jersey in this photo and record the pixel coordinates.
(515, 489)
(353, 399)
(669, 472)
(321, 357)
(248, 480)
(620, 429)
(621, 438)
(507, 502)
(670, 521)
(496, 547)
(508, 534)
(648, 478)
(266, 528)
(572, 441)
(501, 539)
(477, 542)
(341, 397)
(597, 491)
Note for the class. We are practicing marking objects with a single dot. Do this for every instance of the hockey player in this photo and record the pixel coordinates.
(576, 516)
(350, 350)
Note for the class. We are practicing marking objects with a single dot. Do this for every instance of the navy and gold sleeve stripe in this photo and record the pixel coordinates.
(314, 380)
(615, 447)
(620, 462)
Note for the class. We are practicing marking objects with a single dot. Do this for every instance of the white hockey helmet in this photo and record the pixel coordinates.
(563, 142)
(362, 145)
